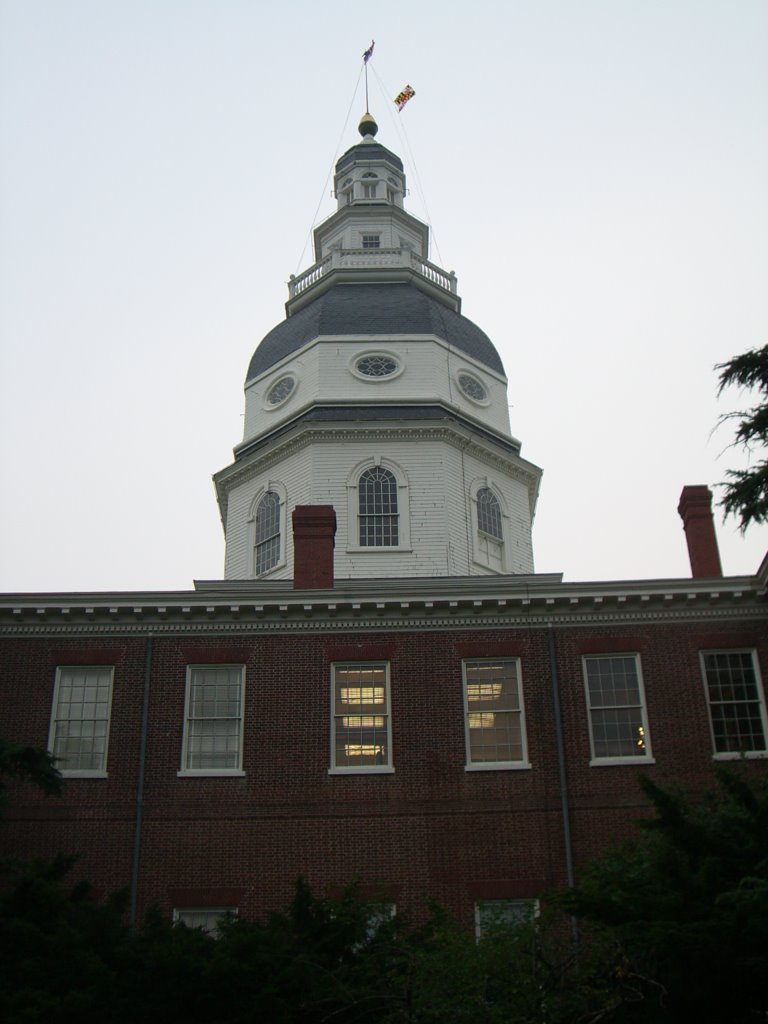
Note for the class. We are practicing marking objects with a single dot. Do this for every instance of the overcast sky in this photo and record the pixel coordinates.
(595, 171)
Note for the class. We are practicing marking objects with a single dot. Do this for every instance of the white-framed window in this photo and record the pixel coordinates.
(494, 717)
(280, 391)
(618, 723)
(378, 511)
(736, 703)
(371, 241)
(489, 514)
(488, 518)
(496, 915)
(213, 720)
(472, 388)
(266, 553)
(79, 733)
(361, 732)
(373, 366)
(266, 525)
(208, 919)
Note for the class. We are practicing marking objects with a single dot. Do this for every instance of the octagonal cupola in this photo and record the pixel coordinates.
(369, 183)
(377, 396)
(368, 172)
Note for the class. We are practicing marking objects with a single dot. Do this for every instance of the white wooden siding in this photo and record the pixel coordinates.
(322, 371)
(441, 529)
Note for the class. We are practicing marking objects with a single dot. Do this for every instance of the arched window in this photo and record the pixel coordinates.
(489, 514)
(267, 533)
(377, 508)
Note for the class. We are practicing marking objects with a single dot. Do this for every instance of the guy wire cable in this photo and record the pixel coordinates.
(402, 134)
(330, 172)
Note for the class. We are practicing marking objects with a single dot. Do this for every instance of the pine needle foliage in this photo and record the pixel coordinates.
(687, 903)
(746, 490)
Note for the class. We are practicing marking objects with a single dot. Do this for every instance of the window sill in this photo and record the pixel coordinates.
(371, 770)
(746, 755)
(600, 762)
(497, 570)
(197, 773)
(83, 773)
(269, 572)
(381, 549)
(498, 766)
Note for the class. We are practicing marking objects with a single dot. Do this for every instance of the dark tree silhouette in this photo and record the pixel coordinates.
(746, 490)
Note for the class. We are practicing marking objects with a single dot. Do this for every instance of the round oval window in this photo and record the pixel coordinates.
(376, 366)
(472, 387)
(281, 390)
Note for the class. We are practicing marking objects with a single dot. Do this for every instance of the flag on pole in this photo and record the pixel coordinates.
(369, 52)
(402, 97)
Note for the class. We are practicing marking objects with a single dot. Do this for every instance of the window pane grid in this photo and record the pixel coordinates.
(472, 387)
(376, 366)
(81, 718)
(489, 513)
(734, 702)
(494, 712)
(214, 718)
(360, 718)
(267, 532)
(615, 707)
(280, 391)
(377, 508)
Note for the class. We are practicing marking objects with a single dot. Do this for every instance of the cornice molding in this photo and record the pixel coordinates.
(233, 610)
(303, 434)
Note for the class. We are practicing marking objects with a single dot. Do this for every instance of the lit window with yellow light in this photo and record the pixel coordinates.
(361, 735)
(618, 722)
(494, 714)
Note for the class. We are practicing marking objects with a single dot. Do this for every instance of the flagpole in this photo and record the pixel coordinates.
(366, 57)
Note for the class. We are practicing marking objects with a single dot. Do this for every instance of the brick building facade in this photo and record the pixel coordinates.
(413, 708)
(464, 809)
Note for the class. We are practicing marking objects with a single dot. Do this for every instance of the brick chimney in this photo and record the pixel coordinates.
(314, 527)
(695, 509)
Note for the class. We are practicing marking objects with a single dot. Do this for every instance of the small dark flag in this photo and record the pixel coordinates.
(369, 52)
(402, 97)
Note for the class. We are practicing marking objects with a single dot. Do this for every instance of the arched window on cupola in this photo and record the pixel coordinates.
(370, 186)
(489, 514)
(488, 527)
(267, 533)
(378, 516)
(378, 507)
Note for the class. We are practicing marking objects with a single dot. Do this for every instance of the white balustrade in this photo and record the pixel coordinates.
(348, 258)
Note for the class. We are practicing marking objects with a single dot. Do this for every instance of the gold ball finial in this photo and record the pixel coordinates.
(367, 125)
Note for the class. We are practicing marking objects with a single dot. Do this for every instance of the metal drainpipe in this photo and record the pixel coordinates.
(561, 760)
(140, 783)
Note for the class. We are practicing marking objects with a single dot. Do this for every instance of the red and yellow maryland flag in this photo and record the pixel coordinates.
(402, 97)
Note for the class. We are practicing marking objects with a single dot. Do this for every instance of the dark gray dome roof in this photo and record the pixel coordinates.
(388, 309)
(364, 152)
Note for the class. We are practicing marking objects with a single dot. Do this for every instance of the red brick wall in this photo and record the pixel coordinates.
(431, 828)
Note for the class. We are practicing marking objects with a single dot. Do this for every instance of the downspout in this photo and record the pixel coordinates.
(140, 784)
(564, 808)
